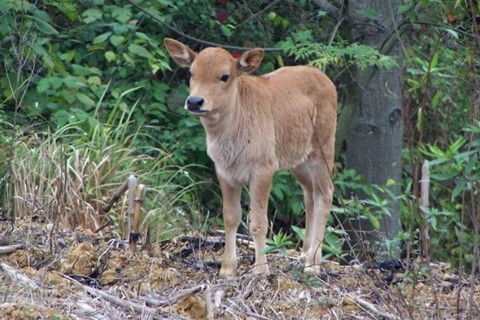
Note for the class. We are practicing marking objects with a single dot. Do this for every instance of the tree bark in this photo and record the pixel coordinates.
(374, 139)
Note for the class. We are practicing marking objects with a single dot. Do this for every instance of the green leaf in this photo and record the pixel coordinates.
(454, 33)
(443, 176)
(434, 61)
(116, 40)
(94, 81)
(73, 82)
(459, 188)
(86, 100)
(68, 56)
(374, 221)
(55, 82)
(122, 14)
(43, 85)
(44, 26)
(4, 6)
(226, 30)
(143, 36)
(390, 182)
(299, 232)
(369, 13)
(139, 51)
(436, 99)
(454, 147)
(91, 15)
(110, 56)
(101, 38)
(271, 16)
(79, 70)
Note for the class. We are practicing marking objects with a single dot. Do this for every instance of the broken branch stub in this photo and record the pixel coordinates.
(134, 235)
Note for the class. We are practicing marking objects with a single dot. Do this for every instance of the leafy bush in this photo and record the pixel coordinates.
(302, 46)
(453, 219)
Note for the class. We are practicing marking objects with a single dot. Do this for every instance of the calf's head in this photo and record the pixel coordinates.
(213, 72)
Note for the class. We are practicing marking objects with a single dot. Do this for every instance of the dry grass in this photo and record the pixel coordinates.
(67, 176)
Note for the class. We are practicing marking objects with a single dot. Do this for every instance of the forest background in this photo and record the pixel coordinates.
(88, 96)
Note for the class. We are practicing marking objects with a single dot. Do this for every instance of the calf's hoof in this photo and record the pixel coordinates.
(260, 268)
(312, 269)
(227, 272)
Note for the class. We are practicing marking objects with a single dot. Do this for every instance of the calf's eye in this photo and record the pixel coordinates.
(224, 78)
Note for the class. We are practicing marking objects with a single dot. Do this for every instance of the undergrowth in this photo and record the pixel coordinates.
(67, 175)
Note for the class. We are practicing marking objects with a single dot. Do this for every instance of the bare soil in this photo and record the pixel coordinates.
(64, 264)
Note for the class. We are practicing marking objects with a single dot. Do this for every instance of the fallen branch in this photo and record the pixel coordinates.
(11, 248)
(208, 303)
(16, 275)
(362, 303)
(142, 309)
(247, 312)
(241, 238)
(370, 307)
(176, 298)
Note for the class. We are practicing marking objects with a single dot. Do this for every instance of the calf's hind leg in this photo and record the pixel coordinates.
(304, 177)
(259, 188)
(322, 202)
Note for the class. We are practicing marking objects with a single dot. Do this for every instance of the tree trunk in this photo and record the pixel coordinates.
(374, 139)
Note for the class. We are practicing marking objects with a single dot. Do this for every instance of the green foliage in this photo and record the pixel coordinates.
(280, 242)
(455, 175)
(373, 204)
(301, 46)
(442, 107)
(287, 203)
(333, 244)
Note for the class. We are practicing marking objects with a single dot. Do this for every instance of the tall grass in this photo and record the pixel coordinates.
(67, 175)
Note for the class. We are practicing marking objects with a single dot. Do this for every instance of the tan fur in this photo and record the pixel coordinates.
(256, 125)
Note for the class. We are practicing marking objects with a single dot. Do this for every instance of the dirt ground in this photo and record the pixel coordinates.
(63, 274)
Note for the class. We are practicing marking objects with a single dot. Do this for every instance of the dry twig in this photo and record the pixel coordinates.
(176, 298)
(11, 248)
(19, 276)
(124, 303)
(114, 199)
(370, 307)
(208, 302)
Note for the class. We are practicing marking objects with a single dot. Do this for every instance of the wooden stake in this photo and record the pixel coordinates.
(139, 196)
(424, 204)
(135, 217)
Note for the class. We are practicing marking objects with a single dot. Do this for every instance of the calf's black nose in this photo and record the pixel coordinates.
(194, 103)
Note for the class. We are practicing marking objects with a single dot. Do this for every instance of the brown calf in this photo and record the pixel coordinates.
(256, 125)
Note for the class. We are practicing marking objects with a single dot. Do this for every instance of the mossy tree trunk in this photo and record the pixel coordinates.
(372, 123)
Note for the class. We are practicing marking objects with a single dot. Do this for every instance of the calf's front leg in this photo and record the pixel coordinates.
(232, 214)
(260, 184)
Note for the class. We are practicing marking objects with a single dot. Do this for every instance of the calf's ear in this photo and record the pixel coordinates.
(250, 60)
(179, 52)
